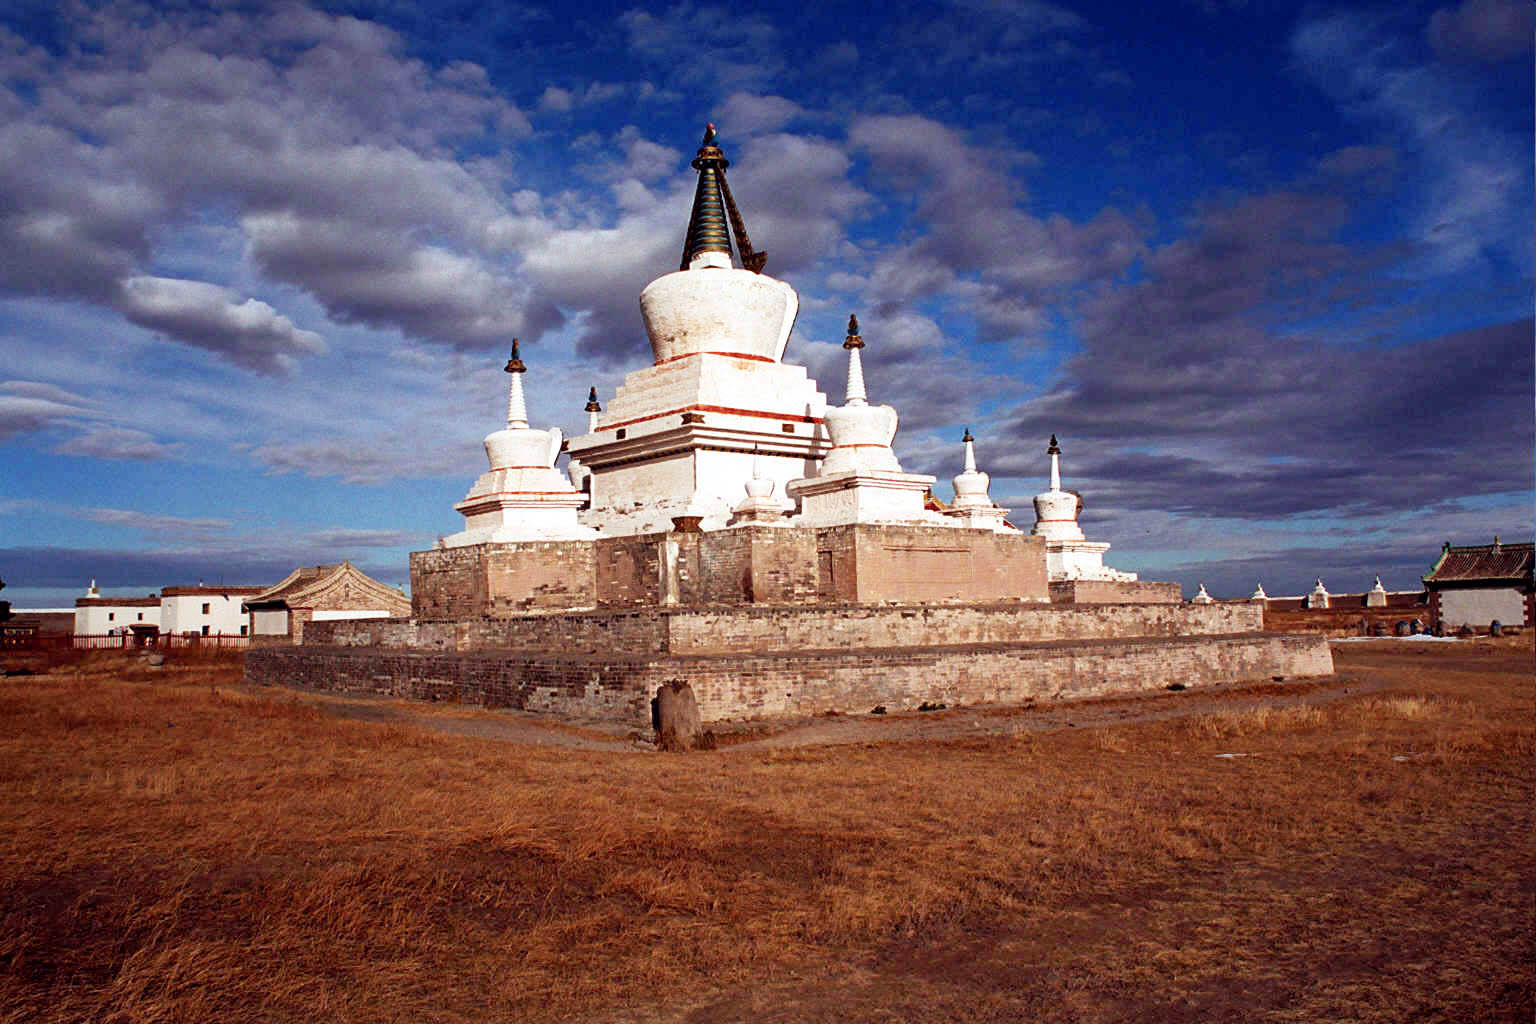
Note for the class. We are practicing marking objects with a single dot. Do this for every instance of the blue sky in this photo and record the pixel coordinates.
(1266, 270)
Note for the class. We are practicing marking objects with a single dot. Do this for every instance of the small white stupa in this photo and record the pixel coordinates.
(860, 480)
(1258, 593)
(1068, 554)
(523, 496)
(1377, 596)
(1318, 598)
(1201, 597)
(973, 506)
(760, 507)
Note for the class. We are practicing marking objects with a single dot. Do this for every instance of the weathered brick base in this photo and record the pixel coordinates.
(746, 685)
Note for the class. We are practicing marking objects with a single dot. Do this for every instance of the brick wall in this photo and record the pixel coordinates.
(791, 627)
(745, 565)
(1342, 621)
(502, 579)
(803, 682)
(868, 563)
(1114, 592)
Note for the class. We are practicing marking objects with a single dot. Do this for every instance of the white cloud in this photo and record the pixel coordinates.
(119, 443)
(247, 332)
(745, 114)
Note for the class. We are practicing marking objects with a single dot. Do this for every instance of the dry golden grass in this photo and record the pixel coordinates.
(177, 851)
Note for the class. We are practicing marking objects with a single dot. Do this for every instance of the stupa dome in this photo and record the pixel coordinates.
(718, 309)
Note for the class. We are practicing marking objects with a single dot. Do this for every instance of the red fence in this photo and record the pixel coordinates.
(122, 641)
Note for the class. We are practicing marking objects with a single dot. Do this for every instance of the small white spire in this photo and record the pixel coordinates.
(1055, 453)
(517, 408)
(856, 394)
(853, 343)
(1258, 593)
(1202, 597)
(970, 451)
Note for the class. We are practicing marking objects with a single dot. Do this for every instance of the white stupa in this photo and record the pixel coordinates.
(973, 506)
(760, 507)
(523, 496)
(1318, 598)
(1376, 597)
(680, 438)
(1202, 597)
(860, 480)
(1068, 554)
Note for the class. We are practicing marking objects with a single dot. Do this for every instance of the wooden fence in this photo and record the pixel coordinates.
(122, 641)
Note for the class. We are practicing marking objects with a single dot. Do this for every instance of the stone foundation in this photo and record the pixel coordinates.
(720, 630)
(743, 565)
(795, 682)
(747, 662)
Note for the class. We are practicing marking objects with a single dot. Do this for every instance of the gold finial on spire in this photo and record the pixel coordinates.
(592, 403)
(515, 364)
(1054, 449)
(853, 340)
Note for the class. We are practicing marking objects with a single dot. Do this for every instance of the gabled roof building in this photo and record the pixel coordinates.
(1478, 585)
(319, 593)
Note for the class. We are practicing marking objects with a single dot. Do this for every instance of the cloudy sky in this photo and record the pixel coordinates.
(1264, 268)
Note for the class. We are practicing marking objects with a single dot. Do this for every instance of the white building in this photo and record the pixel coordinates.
(205, 611)
(97, 616)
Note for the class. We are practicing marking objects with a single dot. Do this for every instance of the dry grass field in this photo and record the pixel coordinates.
(178, 849)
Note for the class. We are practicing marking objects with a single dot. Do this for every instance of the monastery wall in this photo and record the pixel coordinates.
(795, 682)
(716, 630)
(1345, 621)
(868, 563)
(502, 579)
(1115, 592)
(744, 565)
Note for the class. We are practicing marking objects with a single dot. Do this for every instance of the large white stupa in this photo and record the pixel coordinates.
(720, 432)
(680, 438)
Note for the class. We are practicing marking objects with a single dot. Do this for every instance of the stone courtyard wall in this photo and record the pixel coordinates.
(797, 682)
(758, 628)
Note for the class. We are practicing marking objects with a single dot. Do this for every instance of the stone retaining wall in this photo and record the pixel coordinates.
(795, 682)
(804, 627)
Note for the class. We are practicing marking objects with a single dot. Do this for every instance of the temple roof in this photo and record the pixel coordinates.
(715, 217)
(306, 583)
(1483, 562)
